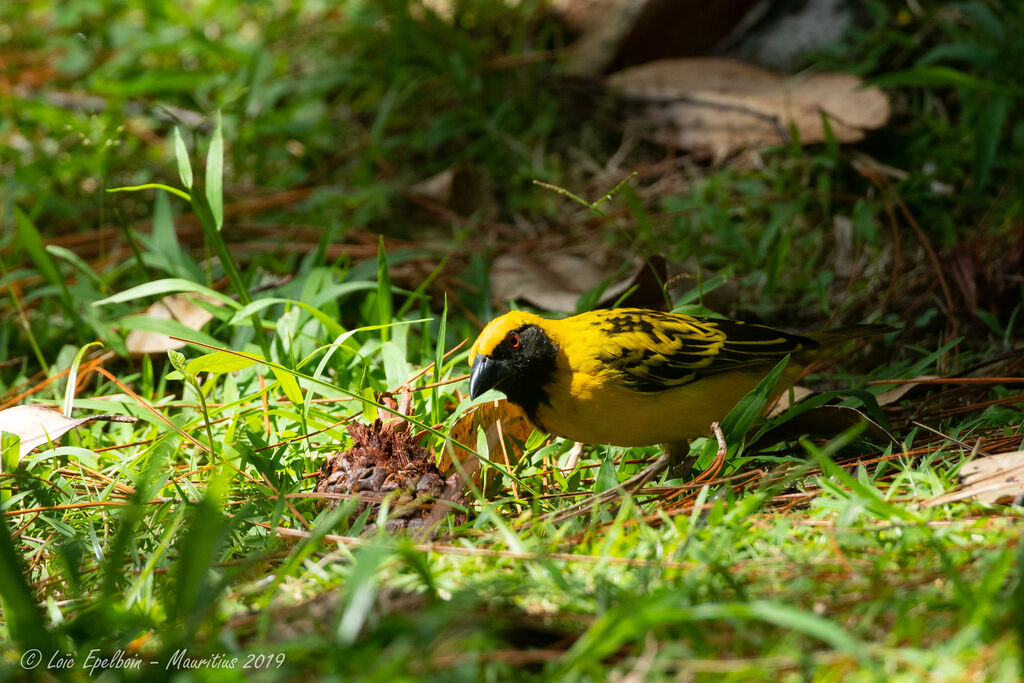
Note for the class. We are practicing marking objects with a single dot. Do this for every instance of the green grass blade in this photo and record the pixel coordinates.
(76, 261)
(69, 391)
(152, 186)
(442, 333)
(184, 165)
(166, 286)
(739, 420)
(215, 175)
(384, 301)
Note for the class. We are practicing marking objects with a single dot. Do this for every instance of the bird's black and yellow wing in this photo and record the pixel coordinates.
(652, 351)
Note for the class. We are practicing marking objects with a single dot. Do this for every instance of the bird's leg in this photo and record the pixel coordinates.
(574, 457)
(680, 462)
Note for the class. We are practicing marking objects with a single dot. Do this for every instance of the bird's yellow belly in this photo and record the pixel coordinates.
(592, 411)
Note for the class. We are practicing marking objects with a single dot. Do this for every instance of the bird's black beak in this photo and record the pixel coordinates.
(487, 373)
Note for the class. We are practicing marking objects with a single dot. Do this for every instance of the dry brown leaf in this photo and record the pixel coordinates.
(180, 307)
(900, 390)
(717, 106)
(36, 425)
(554, 280)
(494, 417)
(992, 479)
(551, 281)
(784, 403)
(995, 478)
(437, 188)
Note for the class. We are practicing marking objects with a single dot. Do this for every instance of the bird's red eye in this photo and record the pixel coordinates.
(513, 340)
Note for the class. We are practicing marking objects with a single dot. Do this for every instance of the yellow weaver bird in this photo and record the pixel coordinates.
(636, 377)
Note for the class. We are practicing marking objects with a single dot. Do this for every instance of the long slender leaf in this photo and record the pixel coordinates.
(988, 133)
(152, 186)
(384, 301)
(739, 420)
(69, 391)
(184, 165)
(330, 324)
(215, 174)
(166, 286)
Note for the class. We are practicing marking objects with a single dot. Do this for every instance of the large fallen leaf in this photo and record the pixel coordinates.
(900, 390)
(497, 419)
(36, 425)
(992, 479)
(554, 280)
(180, 307)
(551, 281)
(716, 106)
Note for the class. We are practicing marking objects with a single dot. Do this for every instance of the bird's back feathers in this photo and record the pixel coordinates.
(656, 351)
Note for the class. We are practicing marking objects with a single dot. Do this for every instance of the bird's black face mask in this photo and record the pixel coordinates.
(520, 366)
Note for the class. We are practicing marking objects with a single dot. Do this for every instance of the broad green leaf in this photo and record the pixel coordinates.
(177, 360)
(982, 15)
(220, 362)
(369, 405)
(196, 584)
(974, 53)
(703, 288)
(289, 385)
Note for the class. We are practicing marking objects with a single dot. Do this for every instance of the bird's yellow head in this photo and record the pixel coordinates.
(498, 329)
(514, 354)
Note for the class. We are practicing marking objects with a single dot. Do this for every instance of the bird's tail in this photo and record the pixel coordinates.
(829, 338)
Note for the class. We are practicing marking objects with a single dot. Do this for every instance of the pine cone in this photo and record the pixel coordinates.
(384, 461)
